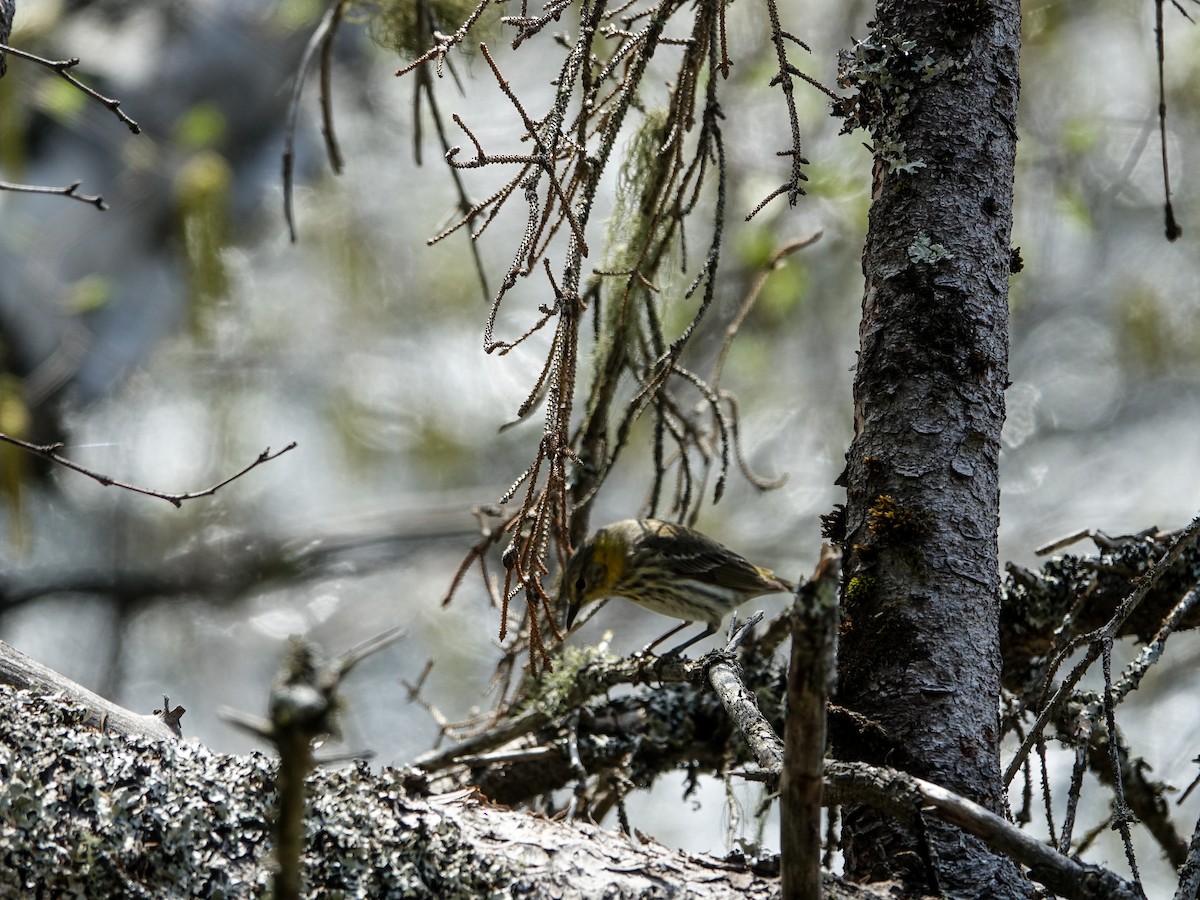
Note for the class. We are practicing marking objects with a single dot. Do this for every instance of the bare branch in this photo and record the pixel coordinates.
(783, 78)
(71, 190)
(62, 67)
(1172, 229)
(50, 452)
(812, 669)
(904, 796)
(320, 40)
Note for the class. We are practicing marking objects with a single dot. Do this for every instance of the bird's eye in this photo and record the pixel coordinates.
(580, 584)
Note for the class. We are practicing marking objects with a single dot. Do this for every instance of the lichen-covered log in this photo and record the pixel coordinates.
(88, 814)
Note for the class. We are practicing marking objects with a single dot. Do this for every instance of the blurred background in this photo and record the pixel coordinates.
(171, 339)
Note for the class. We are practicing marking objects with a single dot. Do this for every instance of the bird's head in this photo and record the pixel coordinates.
(594, 570)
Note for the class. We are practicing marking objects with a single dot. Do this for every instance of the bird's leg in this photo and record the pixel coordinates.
(675, 651)
(658, 640)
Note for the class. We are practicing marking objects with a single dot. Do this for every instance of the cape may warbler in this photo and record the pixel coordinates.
(669, 569)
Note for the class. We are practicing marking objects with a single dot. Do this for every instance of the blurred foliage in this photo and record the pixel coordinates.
(201, 127)
(60, 100)
(440, 454)
(783, 296)
(14, 120)
(1081, 135)
(202, 189)
(1147, 341)
(14, 462)
(90, 293)
(299, 14)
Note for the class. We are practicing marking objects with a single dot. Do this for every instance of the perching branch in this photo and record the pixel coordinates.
(530, 753)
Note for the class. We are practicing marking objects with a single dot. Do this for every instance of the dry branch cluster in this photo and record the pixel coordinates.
(572, 735)
(605, 89)
(1144, 586)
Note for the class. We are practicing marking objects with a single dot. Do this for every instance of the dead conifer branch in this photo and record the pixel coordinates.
(783, 78)
(678, 173)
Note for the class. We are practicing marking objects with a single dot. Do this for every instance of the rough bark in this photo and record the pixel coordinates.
(90, 814)
(937, 88)
(810, 678)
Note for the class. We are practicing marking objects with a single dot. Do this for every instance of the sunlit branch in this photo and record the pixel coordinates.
(446, 43)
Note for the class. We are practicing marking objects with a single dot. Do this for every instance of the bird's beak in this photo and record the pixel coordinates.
(572, 612)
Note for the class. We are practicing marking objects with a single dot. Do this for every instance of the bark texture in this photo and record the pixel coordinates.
(937, 88)
(88, 814)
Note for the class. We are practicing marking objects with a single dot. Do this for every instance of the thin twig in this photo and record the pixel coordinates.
(50, 452)
(1121, 812)
(783, 78)
(466, 208)
(332, 149)
(71, 190)
(61, 67)
(1173, 231)
(775, 262)
(322, 35)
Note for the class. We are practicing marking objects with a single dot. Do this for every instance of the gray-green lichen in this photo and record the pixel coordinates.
(883, 70)
(86, 814)
(923, 251)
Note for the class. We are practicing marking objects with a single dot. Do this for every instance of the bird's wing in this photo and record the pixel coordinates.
(703, 557)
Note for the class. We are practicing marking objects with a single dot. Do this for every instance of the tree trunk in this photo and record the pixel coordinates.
(937, 88)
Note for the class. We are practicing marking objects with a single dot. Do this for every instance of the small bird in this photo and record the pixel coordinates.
(670, 569)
